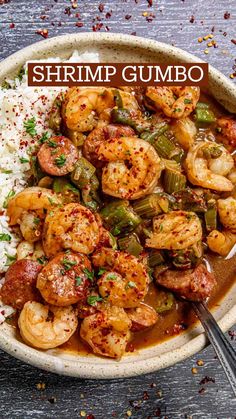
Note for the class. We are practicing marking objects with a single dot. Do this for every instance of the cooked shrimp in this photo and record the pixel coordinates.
(40, 330)
(185, 132)
(175, 230)
(107, 332)
(227, 213)
(29, 250)
(209, 173)
(100, 135)
(221, 242)
(164, 98)
(133, 168)
(227, 131)
(31, 199)
(82, 107)
(31, 227)
(70, 227)
(125, 282)
(64, 280)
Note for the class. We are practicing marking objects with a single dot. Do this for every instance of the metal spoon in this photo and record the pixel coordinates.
(221, 345)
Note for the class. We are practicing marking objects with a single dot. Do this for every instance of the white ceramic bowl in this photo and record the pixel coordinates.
(119, 48)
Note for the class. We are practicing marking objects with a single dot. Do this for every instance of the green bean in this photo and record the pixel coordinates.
(82, 173)
(173, 181)
(120, 217)
(210, 216)
(130, 244)
(118, 98)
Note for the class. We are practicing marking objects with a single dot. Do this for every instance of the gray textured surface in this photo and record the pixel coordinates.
(19, 397)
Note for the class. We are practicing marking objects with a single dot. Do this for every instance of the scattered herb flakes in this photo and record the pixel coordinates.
(52, 143)
(5, 237)
(8, 197)
(29, 126)
(24, 160)
(60, 161)
(42, 260)
(111, 276)
(10, 259)
(5, 85)
(68, 264)
(116, 231)
(92, 300)
(89, 274)
(78, 281)
(45, 137)
(130, 284)
(6, 172)
(206, 380)
(187, 101)
(36, 220)
(101, 271)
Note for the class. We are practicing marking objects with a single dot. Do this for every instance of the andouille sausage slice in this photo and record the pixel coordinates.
(58, 156)
(193, 284)
(65, 279)
(20, 283)
(142, 317)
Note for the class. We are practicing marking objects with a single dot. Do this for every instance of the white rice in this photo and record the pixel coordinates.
(16, 107)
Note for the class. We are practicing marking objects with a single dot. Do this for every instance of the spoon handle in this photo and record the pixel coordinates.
(221, 345)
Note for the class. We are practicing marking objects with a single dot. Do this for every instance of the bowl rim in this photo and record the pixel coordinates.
(106, 370)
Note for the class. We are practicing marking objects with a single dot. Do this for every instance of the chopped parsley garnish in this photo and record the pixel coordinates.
(5, 237)
(21, 73)
(29, 126)
(7, 172)
(111, 276)
(51, 201)
(24, 160)
(42, 260)
(93, 299)
(45, 137)
(78, 281)
(52, 143)
(89, 274)
(68, 264)
(161, 227)
(36, 220)
(116, 231)
(6, 85)
(177, 110)
(101, 271)
(10, 259)
(8, 197)
(60, 161)
(130, 284)
(187, 101)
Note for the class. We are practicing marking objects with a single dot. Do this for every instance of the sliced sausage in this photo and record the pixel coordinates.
(20, 283)
(142, 317)
(65, 279)
(99, 135)
(57, 156)
(193, 284)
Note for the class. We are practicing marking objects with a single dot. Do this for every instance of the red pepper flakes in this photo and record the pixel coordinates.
(202, 390)
(90, 417)
(4, 1)
(150, 17)
(97, 27)
(67, 11)
(136, 404)
(233, 41)
(42, 32)
(128, 17)
(145, 395)
(101, 7)
(108, 14)
(192, 19)
(206, 380)
(133, 33)
(226, 15)
(43, 17)
(12, 25)
(150, 3)
(79, 24)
